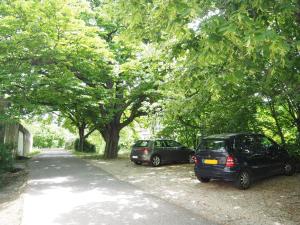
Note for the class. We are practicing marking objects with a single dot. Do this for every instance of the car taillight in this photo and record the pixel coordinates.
(230, 162)
(195, 159)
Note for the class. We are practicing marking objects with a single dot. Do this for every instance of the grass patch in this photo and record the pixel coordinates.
(124, 155)
(97, 156)
(33, 153)
(87, 155)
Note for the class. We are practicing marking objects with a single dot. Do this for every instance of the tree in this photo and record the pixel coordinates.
(131, 92)
(72, 66)
(229, 44)
(42, 39)
(221, 66)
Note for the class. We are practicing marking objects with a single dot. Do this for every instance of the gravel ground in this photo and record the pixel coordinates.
(274, 201)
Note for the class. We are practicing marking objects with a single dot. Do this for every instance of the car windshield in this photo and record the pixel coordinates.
(141, 143)
(212, 145)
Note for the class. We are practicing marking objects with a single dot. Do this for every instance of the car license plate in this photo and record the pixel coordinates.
(134, 157)
(211, 161)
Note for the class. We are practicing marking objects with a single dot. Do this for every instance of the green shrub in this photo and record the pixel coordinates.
(6, 157)
(48, 141)
(87, 147)
(69, 145)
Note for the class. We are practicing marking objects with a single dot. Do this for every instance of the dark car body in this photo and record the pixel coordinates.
(160, 151)
(240, 158)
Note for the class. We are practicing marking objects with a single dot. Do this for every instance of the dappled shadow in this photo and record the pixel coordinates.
(69, 191)
(12, 183)
(61, 170)
(276, 199)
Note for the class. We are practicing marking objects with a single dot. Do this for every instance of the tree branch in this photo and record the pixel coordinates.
(185, 123)
(132, 116)
(90, 132)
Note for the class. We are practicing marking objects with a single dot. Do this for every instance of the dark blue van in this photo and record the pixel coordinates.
(240, 158)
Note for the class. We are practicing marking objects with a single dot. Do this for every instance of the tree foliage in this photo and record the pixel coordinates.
(6, 158)
(219, 66)
(235, 64)
(69, 60)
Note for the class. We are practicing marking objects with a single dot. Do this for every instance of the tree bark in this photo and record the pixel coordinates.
(81, 138)
(111, 136)
(2, 125)
(294, 111)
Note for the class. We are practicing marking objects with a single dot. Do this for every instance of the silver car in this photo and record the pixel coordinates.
(157, 152)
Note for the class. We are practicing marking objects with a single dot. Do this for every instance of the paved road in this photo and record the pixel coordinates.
(65, 190)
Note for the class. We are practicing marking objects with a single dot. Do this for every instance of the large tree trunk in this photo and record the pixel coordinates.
(2, 132)
(2, 125)
(111, 135)
(81, 138)
(82, 128)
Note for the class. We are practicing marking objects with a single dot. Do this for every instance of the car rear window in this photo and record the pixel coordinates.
(212, 145)
(141, 143)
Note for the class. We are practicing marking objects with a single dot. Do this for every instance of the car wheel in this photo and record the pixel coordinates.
(289, 169)
(243, 180)
(137, 163)
(191, 159)
(155, 160)
(204, 179)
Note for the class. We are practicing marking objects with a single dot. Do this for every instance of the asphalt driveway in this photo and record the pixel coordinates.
(65, 190)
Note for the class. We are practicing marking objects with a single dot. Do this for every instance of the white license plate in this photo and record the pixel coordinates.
(134, 157)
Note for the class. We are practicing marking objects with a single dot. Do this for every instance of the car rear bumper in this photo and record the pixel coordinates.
(140, 158)
(226, 174)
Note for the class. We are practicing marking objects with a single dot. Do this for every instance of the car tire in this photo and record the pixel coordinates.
(204, 179)
(137, 163)
(243, 180)
(155, 160)
(289, 169)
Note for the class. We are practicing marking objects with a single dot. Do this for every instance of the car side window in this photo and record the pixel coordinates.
(176, 144)
(245, 144)
(167, 144)
(158, 144)
(171, 144)
(264, 144)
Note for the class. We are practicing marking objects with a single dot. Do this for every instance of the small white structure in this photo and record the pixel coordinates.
(20, 144)
(14, 133)
(17, 136)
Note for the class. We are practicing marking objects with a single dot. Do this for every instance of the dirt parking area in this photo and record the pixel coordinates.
(275, 201)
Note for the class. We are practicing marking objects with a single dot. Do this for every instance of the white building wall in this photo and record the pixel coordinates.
(20, 151)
